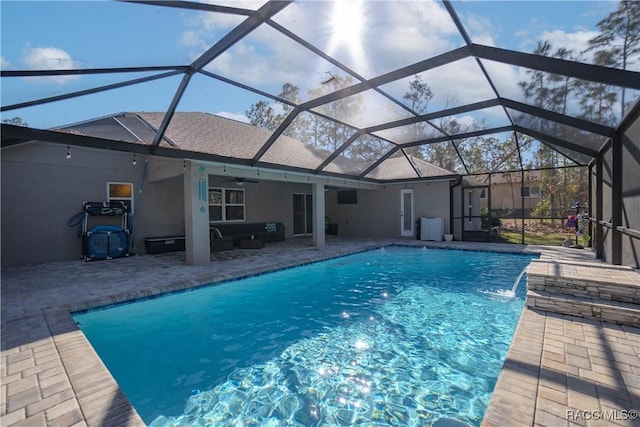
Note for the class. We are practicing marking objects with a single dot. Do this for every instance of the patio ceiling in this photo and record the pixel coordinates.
(288, 56)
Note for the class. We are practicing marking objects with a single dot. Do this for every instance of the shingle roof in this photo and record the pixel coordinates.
(210, 134)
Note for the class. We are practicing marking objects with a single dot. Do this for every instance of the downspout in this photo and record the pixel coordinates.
(138, 201)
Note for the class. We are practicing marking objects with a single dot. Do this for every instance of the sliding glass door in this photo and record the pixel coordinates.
(302, 214)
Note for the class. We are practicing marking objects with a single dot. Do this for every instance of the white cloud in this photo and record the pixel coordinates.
(393, 36)
(3, 62)
(481, 30)
(577, 42)
(233, 116)
(192, 38)
(49, 58)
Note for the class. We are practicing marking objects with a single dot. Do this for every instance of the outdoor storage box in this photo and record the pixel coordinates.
(157, 245)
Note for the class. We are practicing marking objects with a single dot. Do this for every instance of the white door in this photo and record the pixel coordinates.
(406, 213)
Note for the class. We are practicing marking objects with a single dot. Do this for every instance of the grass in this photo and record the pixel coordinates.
(535, 237)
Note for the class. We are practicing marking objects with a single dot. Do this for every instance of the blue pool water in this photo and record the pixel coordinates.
(395, 336)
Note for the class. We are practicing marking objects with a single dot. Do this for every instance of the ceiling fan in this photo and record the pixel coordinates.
(241, 181)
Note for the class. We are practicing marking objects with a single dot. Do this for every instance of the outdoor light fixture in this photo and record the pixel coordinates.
(134, 160)
(68, 152)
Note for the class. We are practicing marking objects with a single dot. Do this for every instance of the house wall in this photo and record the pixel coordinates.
(507, 196)
(42, 191)
(377, 213)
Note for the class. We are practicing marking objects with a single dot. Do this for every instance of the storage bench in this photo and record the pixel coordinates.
(157, 245)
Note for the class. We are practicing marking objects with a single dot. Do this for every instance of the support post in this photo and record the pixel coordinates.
(489, 210)
(318, 214)
(616, 198)
(599, 209)
(589, 229)
(463, 210)
(522, 201)
(196, 214)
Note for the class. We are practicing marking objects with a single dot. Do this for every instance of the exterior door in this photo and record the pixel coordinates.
(406, 213)
(302, 214)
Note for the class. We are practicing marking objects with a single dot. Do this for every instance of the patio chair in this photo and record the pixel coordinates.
(218, 242)
(330, 228)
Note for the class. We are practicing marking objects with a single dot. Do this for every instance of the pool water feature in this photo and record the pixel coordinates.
(398, 336)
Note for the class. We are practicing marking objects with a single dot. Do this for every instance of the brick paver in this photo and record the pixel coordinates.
(51, 376)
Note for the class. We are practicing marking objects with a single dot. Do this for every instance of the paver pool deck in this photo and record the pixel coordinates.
(560, 370)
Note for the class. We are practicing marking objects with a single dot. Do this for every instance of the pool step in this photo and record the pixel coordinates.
(585, 289)
(601, 281)
(617, 312)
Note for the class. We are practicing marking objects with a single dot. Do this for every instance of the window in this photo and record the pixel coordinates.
(121, 192)
(483, 194)
(347, 197)
(226, 204)
(530, 191)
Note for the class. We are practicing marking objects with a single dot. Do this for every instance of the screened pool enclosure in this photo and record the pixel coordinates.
(383, 92)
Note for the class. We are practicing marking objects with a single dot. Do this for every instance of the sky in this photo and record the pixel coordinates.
(370, 37)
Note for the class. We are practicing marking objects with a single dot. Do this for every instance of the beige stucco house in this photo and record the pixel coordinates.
(45, 184)
(506, 189)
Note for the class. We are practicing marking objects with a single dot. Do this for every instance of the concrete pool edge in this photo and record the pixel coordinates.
(519, 375)
(33, 402)
(98, 395)
(101, 381)
(99, 398)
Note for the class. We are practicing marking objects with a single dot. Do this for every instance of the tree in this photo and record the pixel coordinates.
(553, 92)
(314, 129)
(367, 148)
(418, 95)
(329, 134)
(17, 121)
(444, 154)
(619, 39)
(262, 115)
(491, 154)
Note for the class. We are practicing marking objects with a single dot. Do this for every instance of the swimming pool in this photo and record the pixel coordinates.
(395, 336)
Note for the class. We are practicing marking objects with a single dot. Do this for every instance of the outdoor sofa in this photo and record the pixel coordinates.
(268, 232)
